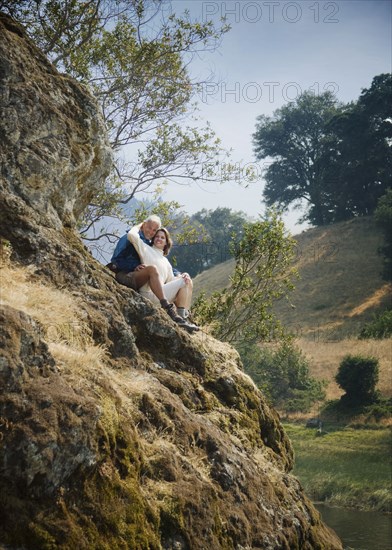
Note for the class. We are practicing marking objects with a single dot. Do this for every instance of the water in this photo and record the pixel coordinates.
(359, 530)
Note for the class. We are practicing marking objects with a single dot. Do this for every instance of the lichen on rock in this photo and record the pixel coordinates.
(159, 442)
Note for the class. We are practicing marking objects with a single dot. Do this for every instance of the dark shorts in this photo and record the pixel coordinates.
(127, 279)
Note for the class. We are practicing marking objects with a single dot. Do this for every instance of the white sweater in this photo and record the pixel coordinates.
(150, 255)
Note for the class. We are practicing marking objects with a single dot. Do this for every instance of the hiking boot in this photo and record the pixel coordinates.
(189, 317)
(190, 327)
(171, 311)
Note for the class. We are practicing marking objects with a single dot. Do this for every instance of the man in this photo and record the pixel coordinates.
(132, 273)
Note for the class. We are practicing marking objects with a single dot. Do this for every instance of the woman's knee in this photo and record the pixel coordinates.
(152, 271)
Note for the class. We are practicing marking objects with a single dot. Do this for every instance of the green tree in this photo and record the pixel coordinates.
(298, 141)
(383, 217)
(283, 374)
(263, 273)
(361, 159)
(212, 230)
(134, 57)
(358, 377)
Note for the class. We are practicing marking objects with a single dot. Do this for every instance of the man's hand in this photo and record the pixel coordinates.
(139, 267)
(186, 277)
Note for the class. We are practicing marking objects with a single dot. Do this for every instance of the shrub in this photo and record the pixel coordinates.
(380, 410)
(283, 374)
(358, 377)
(379, 327)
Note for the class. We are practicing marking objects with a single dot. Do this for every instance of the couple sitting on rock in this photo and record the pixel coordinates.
(139, 261)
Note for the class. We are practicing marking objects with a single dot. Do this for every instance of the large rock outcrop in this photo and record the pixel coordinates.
(160, 443)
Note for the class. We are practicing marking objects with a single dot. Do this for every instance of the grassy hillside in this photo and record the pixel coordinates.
(339, 289)
(340, 285)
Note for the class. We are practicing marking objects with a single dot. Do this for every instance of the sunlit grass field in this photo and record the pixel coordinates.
(344, 467)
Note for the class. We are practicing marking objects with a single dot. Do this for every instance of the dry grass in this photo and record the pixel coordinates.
(213, 279)
(91, 357)
(58, 313)
(339, 290)
(325, 357)
(340, 285)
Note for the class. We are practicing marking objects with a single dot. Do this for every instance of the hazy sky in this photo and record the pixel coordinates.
(274, 51)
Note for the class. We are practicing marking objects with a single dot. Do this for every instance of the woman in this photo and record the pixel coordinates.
(177, 289)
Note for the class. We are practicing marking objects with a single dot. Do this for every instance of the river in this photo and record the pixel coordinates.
(359, 530)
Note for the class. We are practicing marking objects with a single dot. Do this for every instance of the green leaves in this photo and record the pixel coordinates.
(334, 157)
(282, 372)
(383, 217)
(296, 137)
(358, 377)
(134, 57)
(263, 273)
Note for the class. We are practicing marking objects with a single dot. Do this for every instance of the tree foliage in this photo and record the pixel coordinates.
(297, 140)
(283, 374)
(263, 273)
(334, 157)
(379, 327)
(383, 217)
(134, 57)
(358, 377)
(361, 160)
(213, 230)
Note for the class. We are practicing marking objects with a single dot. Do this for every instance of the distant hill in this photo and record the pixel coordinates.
(340, 285)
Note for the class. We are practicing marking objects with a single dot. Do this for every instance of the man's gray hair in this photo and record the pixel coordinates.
(153, 218)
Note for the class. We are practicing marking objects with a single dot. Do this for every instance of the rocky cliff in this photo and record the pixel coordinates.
(117, 429)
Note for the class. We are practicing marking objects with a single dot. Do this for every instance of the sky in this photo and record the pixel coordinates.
(273, 52)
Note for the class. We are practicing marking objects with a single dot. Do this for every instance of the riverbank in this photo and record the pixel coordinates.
(343, 466)
(359, 530)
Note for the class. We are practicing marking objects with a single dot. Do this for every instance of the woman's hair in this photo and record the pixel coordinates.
(169, 242)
